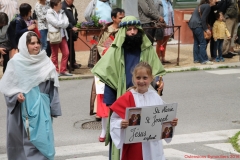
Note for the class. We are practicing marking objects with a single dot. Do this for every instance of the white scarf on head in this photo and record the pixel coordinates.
(25, 71)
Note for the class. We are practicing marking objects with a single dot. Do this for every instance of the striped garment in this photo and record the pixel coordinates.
(41, 11)
(10, 7)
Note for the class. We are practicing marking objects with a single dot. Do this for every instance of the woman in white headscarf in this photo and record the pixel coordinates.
(30, 86)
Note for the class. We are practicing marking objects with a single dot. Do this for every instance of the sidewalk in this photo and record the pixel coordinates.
(185, 61)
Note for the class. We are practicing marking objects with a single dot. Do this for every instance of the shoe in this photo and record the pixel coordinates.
(212, 59)
(76, 66)
(207, 63)
(222, 59)
(101, 139)
(232, 54)
(166, 62)
(217, 59)
(98, 118)
(90, 65)
(227, 56)
(196, 62)
(65, 74)
(68, 67)
(58, 75)
(79, 65)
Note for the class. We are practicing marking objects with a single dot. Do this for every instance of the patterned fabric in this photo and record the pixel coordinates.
(105, 36)
(10, 7)
(41, 12)
(169, 31)
(129, 23)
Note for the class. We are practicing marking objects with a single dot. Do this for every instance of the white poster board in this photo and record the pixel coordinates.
(99, 86)
(150, 123)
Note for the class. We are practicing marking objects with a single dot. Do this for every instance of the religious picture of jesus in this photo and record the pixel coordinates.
(167, 130)
(134, 116)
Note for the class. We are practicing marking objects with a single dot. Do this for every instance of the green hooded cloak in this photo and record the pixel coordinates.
(111, 68)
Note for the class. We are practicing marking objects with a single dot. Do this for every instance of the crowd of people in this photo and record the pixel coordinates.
(218, 19)
(46, 17)
(127, 66)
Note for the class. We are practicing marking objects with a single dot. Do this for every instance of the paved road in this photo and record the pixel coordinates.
(208, 112)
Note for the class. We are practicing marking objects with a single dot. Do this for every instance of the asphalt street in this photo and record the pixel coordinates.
(208, 101)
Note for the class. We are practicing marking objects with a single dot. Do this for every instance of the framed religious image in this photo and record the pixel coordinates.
(149, 122)
(135, 117)
(167, 130)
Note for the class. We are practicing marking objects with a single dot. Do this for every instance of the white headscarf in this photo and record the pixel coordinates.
(25, 71)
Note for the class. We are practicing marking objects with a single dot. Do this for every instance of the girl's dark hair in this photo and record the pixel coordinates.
(3, 18)
(105, 27)
(30, 35)
(24, 9)
(54, 3)
(115, 11)
(204, 2)
(217, 14)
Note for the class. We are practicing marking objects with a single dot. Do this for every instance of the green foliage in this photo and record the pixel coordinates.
(94, 22)
(78, 25)
(234, 141)
(194, 69)
(223, 67)
(208, 68)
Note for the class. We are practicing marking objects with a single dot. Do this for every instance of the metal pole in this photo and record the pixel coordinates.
(70, 50)
(178, 45)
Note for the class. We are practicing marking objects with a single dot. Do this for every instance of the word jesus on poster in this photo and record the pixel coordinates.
(150, 123)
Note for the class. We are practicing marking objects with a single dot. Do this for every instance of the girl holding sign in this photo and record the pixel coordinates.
(138, 96)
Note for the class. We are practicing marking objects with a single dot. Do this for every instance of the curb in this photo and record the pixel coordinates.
(168, 70)
(76, 77)
(203, 67)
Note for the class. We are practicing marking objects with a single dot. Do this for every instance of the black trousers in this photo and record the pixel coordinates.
(72, 53)
(5, 61)
(150, 32)
(212, 42)
(48, 50)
